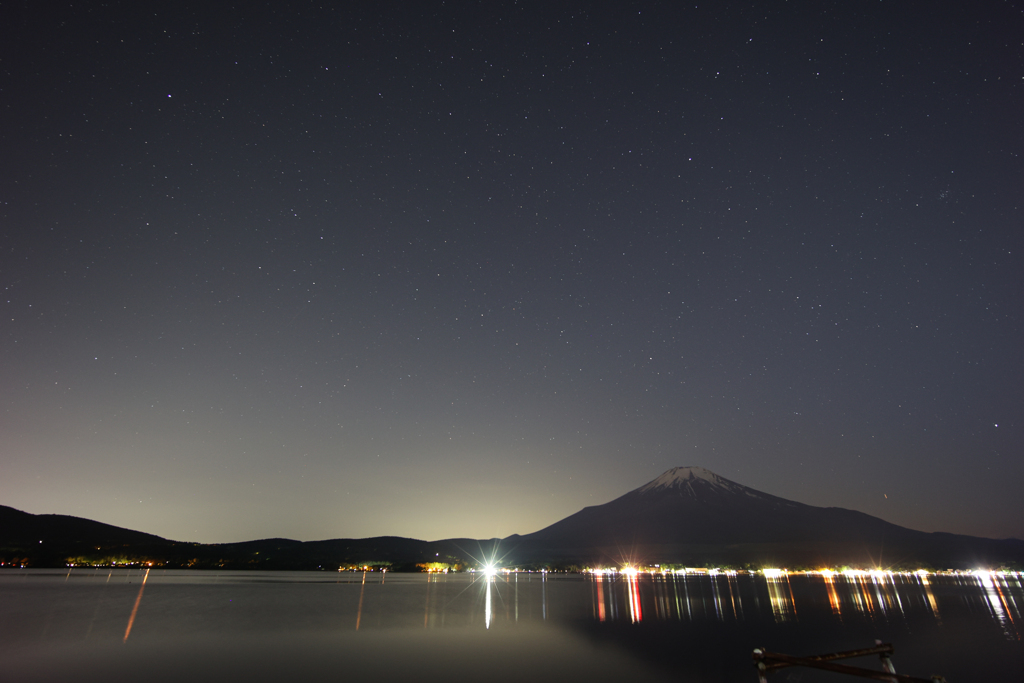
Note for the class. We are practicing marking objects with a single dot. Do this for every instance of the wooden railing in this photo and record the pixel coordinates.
(767, 662)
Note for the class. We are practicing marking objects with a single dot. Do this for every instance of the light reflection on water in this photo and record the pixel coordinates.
(459, 600)
(783, 603)
(1002, 602)
(874, 595)
(91, 609)
(135, 608)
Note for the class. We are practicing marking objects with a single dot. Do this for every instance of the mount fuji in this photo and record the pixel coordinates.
(694, 516)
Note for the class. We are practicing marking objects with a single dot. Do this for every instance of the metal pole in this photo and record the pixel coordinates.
(762, 673)
(887, 664)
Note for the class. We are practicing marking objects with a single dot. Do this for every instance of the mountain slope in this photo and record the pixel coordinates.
(52, 540)
(690, 514)
(17, 527)
(48, 540)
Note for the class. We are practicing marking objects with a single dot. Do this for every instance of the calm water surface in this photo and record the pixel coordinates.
(120, 625)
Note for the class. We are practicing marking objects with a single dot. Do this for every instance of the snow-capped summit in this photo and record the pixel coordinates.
(693, 481)
(682, 476)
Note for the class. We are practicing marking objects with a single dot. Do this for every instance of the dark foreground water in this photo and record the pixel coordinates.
(120, 625)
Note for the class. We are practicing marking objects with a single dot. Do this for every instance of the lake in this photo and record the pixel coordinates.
(119, 625)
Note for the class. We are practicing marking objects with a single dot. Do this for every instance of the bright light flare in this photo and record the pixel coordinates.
(773, 573)
(985, 577)
(490, 570)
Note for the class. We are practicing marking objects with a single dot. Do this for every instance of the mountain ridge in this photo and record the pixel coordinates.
(692, 515)
(686, 515)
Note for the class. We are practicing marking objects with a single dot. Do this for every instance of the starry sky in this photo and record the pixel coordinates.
(460, 269)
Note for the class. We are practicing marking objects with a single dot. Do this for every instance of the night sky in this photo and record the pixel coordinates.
(460, 269)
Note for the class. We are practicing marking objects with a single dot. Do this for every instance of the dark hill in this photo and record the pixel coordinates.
(48, 540)
(54, 540)
(25, 528)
